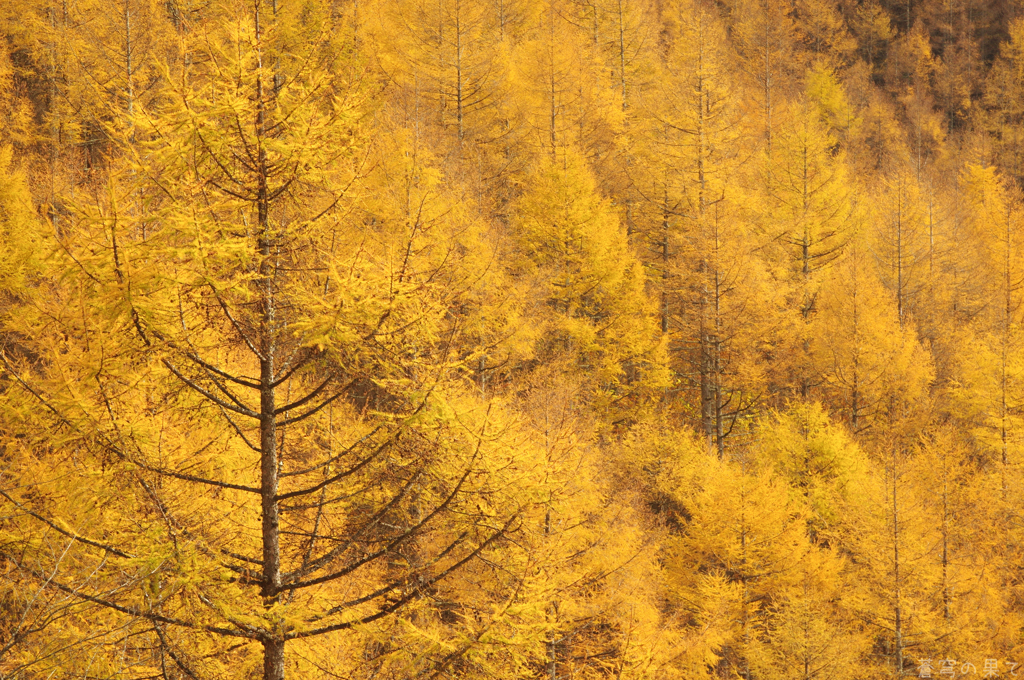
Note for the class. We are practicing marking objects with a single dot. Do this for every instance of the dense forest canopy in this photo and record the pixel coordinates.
(551, 339)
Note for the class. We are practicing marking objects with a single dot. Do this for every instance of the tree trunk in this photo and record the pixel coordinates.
(273, 642)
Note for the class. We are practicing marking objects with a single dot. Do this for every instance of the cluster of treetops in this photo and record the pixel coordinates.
(387, 339)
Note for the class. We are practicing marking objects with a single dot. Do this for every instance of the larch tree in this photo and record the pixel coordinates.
(813, 209)
(830, 96)
(590, 603)
(891, 548)
(811, 629)
(627, 44)
(974, 582)
(699, 248)
(750, 535)
(808, 216)
(916, 68)
(43, 36)
(823, 32)
(566, 96)
(819, 460)
(873, 29)
(863, 352)
(901, 242)
(446, 54)
(28, 609)
(767, 42)
(550, 339)
(594, 314)
(1002, 98)
(263, 390)
(989, 390)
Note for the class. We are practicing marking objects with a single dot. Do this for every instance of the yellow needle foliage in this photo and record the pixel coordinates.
(510, 339)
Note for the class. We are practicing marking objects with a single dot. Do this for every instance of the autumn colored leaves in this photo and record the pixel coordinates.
(508, 338)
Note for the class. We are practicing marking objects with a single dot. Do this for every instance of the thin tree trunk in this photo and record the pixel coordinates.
(273, 642)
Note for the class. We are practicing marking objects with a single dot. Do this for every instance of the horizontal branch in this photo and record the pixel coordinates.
(306, 399)
(313, 565)
(398, 604)
(339, 476)
(335, 457)
(401, 538)
(241, 410)
(109, 446)
(136, 612)
(63, 532)
(313, 411)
